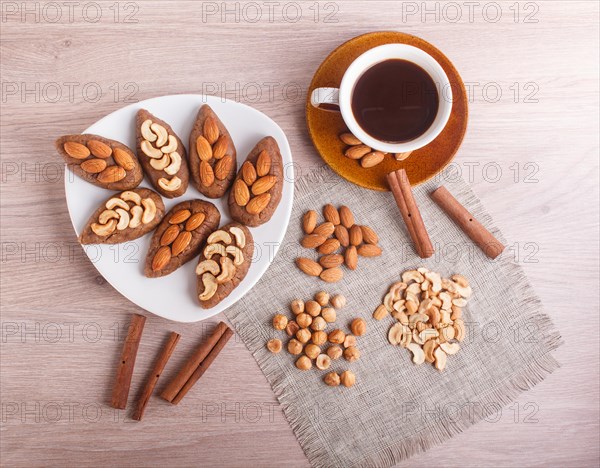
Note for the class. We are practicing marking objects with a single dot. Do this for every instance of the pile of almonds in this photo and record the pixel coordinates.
(428, 309)
(100, 164)
(252, 189)
(368, 157)
(212, 151)
(340, 234)
(176, 237)
(308, 334)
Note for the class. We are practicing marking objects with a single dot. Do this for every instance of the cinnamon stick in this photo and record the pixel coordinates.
(491, 246)
(155, 374)
(128, 354)
(193, 362)
(400, 186)
(203, 367)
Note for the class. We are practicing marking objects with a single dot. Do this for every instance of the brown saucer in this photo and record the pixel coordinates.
(324, 126)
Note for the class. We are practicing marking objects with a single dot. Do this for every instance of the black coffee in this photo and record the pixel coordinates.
(395, 101)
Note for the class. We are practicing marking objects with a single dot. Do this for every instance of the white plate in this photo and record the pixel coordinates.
(174, 296)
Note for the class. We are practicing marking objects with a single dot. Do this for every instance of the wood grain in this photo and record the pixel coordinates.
(531, 157)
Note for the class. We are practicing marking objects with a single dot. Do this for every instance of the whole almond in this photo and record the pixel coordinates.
(372, 159)
(112, 174)
(207, 176)
(263, 163)
(341, 234)
(329, 246)
(256, 205)
(203, 148)
(355, 235)
(220, 147)
(312, 241)
(369, 236)
(350, 139)
(325, 229)
(308, 266)
(369, 250)
(241, 192)
(76, 150)
(223, 167)
(169, 235)
(181, 243)
(211, 130)
(346, 217)
(123, 159)
(309, 221)
(331, 275)
(195, 221)
(331, 214)
(93, 166)
(331, 261)
(248, 173)
(351, 257)
(99, 149)
(179, 216)
(402, 156)
(264, 184)
(161, 258)
(357, 152)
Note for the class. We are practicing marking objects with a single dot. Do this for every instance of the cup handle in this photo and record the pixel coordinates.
(326, 99)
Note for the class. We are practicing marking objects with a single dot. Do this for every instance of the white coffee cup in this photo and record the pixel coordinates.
(342, 97)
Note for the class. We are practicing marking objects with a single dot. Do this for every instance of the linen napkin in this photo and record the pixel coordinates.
(397, 409)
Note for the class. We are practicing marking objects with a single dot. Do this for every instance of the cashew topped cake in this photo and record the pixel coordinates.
(180, 235)
(124, 217)
(162, 155)
(101, 161)
(223, 264)
(256, 192)
(213, 158)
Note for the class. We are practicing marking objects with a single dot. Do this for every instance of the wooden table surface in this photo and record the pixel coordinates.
(531, 154)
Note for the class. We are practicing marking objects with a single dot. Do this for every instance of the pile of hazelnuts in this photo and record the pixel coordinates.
(310, 341)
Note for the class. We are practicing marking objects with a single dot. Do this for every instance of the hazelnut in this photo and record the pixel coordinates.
(338, 301)
(322, 298)
(318, 324)
(323, 361)
(347, 378)
(332, 379)
(274, 345)
(303, 363)
(351, 354)
(303, 335)
(297, 306)
(337, 336)
(312, 350)
(291, 328)
(294, 346)
(279, 322)
(303, 320)
(319, 338)
(358, 326)
(334, 352)
(349, 341)
(328, 313)
(313, 308)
